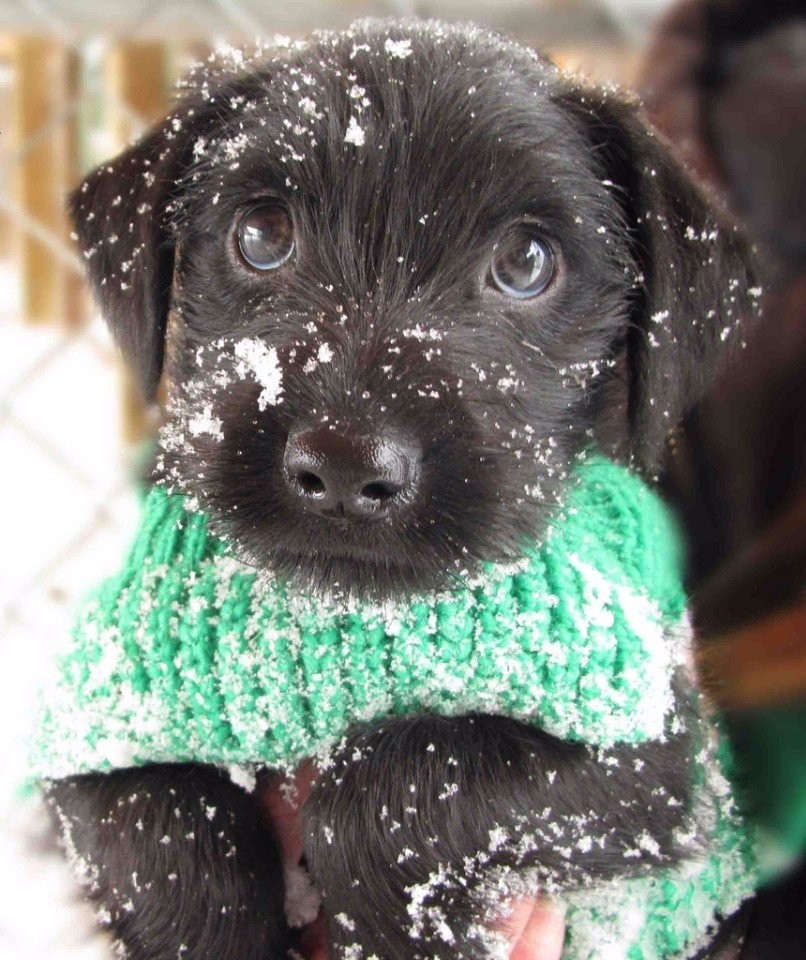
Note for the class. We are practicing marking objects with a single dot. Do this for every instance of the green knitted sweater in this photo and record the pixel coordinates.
(189, 655)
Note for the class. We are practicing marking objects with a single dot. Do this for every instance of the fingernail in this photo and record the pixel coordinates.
(560, 907)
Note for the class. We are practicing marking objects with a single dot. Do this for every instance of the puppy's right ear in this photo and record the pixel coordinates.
(120, 215)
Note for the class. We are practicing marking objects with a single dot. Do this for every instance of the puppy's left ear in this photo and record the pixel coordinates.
(121, 215)
(695, 286)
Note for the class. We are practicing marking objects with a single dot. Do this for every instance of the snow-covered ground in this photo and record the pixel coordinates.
(67, 511)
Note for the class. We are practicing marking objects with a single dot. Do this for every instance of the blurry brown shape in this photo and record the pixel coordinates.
(45, 141)
(726, 81)
(756, 123)
(671, 83)
(760, 665)
(740, 476)
(745, 481)
(599, 62)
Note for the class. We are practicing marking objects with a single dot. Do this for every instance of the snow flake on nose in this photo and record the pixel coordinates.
(354, 133)
(205, 422)
(399, 49)
(261, 362)
(323, 355)
(359, 94)
(309, 108)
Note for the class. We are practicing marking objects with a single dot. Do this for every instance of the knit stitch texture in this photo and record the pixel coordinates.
(189, 655)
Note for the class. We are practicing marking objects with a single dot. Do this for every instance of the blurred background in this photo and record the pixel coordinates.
(79, 79)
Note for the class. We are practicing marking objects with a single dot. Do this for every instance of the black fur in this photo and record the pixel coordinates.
(463, 137)
(178, 859)
(474, 798)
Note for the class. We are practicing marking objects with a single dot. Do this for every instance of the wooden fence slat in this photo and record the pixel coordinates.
(137, 77)
(45, 131)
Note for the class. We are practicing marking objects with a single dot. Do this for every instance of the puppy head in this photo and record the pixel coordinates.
(397, 278)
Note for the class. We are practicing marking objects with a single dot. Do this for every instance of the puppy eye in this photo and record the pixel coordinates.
(523, 264)
(266, 236)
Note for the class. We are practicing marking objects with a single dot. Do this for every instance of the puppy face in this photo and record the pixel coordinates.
(407, 273)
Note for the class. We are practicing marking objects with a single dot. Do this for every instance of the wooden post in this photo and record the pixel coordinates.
(7, 251)
(45, 136)
(137, 79)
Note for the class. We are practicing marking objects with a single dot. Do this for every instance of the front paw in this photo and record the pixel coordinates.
(179, 861)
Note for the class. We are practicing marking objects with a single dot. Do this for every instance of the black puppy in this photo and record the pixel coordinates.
(467, 268)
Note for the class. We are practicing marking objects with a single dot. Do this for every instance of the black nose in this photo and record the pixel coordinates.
(340, 475)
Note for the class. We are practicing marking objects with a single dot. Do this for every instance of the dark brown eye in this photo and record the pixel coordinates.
(523, 264)
(266, 236)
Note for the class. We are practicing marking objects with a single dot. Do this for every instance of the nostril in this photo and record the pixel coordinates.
(310, 484)
(380, 491)
(346, 476)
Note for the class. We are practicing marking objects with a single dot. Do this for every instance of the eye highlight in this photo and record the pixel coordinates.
(265, 236)
(523, 264)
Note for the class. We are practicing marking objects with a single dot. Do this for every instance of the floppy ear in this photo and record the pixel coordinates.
(120, 215)
(695, 273)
